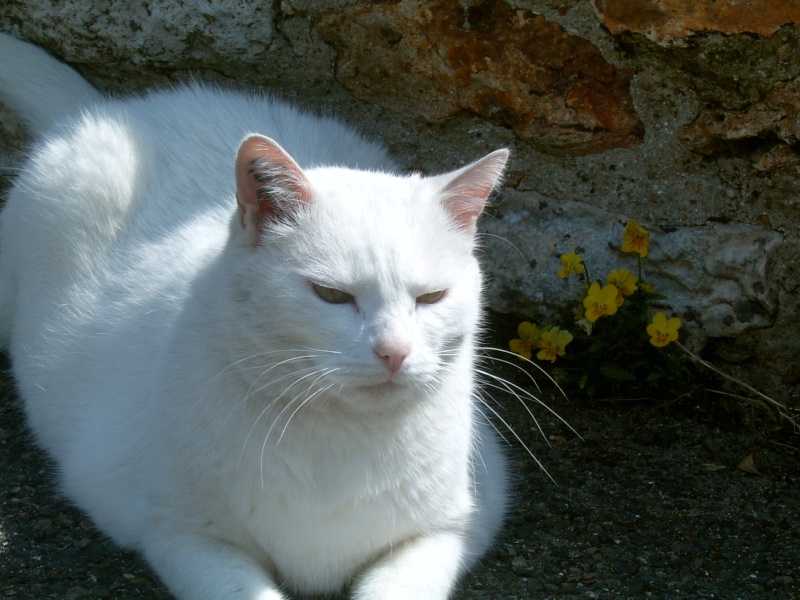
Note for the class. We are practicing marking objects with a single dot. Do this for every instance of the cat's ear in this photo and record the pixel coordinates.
(467, 189)
(269, 184)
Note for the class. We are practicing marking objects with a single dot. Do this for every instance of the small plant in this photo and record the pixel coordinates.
(619, 347)
(624, 345)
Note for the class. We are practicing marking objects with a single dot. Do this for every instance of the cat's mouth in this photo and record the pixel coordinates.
(386, 385)
(383, 384)
(391, 384)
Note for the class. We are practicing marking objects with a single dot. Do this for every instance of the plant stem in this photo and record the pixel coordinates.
(639, 259)
(782, 410)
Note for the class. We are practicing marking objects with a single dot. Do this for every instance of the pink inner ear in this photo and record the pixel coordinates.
(466, 194)
(269, 183)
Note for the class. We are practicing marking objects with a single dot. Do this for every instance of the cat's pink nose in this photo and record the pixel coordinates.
(392, 355)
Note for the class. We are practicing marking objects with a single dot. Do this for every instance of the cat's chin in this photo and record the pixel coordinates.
(384, 391)
(388, 386)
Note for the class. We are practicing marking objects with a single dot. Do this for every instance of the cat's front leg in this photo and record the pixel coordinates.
(425, 568)
(195, 567)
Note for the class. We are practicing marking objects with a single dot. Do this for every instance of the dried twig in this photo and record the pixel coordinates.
(781, 409)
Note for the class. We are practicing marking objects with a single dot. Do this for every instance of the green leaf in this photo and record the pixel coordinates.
(654, 377)
(616, 372)
(599, 345)
(584, 379)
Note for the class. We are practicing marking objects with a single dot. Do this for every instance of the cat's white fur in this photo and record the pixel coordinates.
(204, 405)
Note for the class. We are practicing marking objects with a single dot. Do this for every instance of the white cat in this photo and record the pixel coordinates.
(254, 368)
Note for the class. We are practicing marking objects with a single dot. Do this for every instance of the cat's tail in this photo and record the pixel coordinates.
(38, 87)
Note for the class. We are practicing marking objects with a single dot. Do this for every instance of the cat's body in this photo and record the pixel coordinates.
(263, 399)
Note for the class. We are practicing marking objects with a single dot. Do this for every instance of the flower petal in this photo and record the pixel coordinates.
(562, 339)
(571, 263)
(520, 347)
(547, 354)
(635, 238)
(673, 324)
(528, 331)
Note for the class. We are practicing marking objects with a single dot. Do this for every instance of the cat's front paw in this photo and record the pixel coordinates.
(388, 589)
(423, 569)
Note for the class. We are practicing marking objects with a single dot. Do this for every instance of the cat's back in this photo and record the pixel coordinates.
(150, 176)
(168, 155)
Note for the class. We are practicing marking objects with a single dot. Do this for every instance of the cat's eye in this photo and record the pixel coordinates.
(431, 297)
(331, 295)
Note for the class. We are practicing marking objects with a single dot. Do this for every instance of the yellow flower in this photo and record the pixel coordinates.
(635, 239)
(529, 335)
(662, 331)
(571, 263)
(553, 342)
(600, 301)
(624, 281)
(647, 288)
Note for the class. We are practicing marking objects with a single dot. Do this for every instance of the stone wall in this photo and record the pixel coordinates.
(682, 115)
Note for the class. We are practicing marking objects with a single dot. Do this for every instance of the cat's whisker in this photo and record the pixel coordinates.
(263, 412)
(515, 389)
(320, 350)
(306, 355)
(231, 369)
(509, 388)
(252, 392)
(530, 377)
(309, 396)
(296, 353)
(516, 436)
(498, 431)
(257, 391)
(266, 369)
(290, 402)
(487, 379)
(308, 399)
(479, 242)
(515, 364)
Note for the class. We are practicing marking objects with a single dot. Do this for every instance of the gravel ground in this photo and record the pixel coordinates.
(649, 504)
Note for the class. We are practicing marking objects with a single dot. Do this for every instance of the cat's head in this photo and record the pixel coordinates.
(362, 285)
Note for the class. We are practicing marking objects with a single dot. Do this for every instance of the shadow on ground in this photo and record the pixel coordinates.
(647, 505)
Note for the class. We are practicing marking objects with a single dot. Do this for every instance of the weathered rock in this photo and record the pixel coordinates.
(718, 277)
(173, 33)
(112, 37)
(664, 20)
(767, 132)
(779, 159)
(518, 70)
(774, 122)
